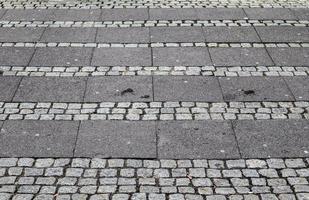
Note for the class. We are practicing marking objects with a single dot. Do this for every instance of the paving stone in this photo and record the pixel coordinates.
(269, 13)
(196, 139)
(283, 34)
(8, 87)
(220, 13)
(297, 86)
(290, 56)
(51, 89)
(176, 34)
(172, 14)
(240, 57)
(173, 88)
(119, 88)
(255, 89)
(231, 34)
(275, 138)
(2, 12)
(10, 56)
(75, 15)
(20, 34)
(69, 34)
(124, 14)
(122, 57)
(123, 35)
(189, 56)
(119, 139)
(27, 15)
(38, 139)
(301, 13)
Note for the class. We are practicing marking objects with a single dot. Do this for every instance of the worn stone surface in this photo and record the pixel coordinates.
(52, 89)
(190, 56)
(38, 139)
(8, 87)
(15, 56)
(240, 57)
(119, 89)
(116, 139)
(187, 89)
(61, 57)
(122, 57)
(279, 138)
(254, 89)
(196, 140)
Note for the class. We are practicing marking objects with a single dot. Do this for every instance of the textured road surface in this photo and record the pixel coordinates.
(176, 100)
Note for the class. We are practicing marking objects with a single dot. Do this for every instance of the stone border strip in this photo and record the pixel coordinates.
(154, 45)
(155, 70)
(123, 179)
(154, 111)
(89, 4)
(155, 23)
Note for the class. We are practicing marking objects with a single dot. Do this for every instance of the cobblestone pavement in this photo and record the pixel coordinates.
(154, 100)
(120, 179)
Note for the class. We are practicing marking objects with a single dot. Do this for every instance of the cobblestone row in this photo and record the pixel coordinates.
(155, 23)
(154, 45)
(156, 70)
(122, 179)
(154, 111)
(151, 4)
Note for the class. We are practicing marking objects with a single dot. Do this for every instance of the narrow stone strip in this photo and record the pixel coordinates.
(154, 111)
(155, 70)
(154, 45)
(124, 179)
(154, 23)
(90, 4)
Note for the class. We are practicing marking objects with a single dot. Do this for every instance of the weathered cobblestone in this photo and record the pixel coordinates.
(98, 179)
(193, 114)
(150, 4)
(152, 45)
(152, 23)
(155, 70)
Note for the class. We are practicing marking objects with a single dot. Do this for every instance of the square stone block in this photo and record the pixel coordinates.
(272, 138)
(38, 138)
(270, 13)
(51, 89)
(196, 139)
(122, 57)
(176, 34)
(220, 13)
(20, 34)
(240, 56)
(230, 34)
(255, 89)
(299, 86)
(290, 56)
(186, 88)
(123, 35)
(76, 15)
(28, 15)
(301, 13)
(12, 56)
(61, 56)
(116, 139)
(124, 14)
(119, 88)
(181, 56)
(69, 34)
(8, 87)
(172, 14)
(283, 34)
